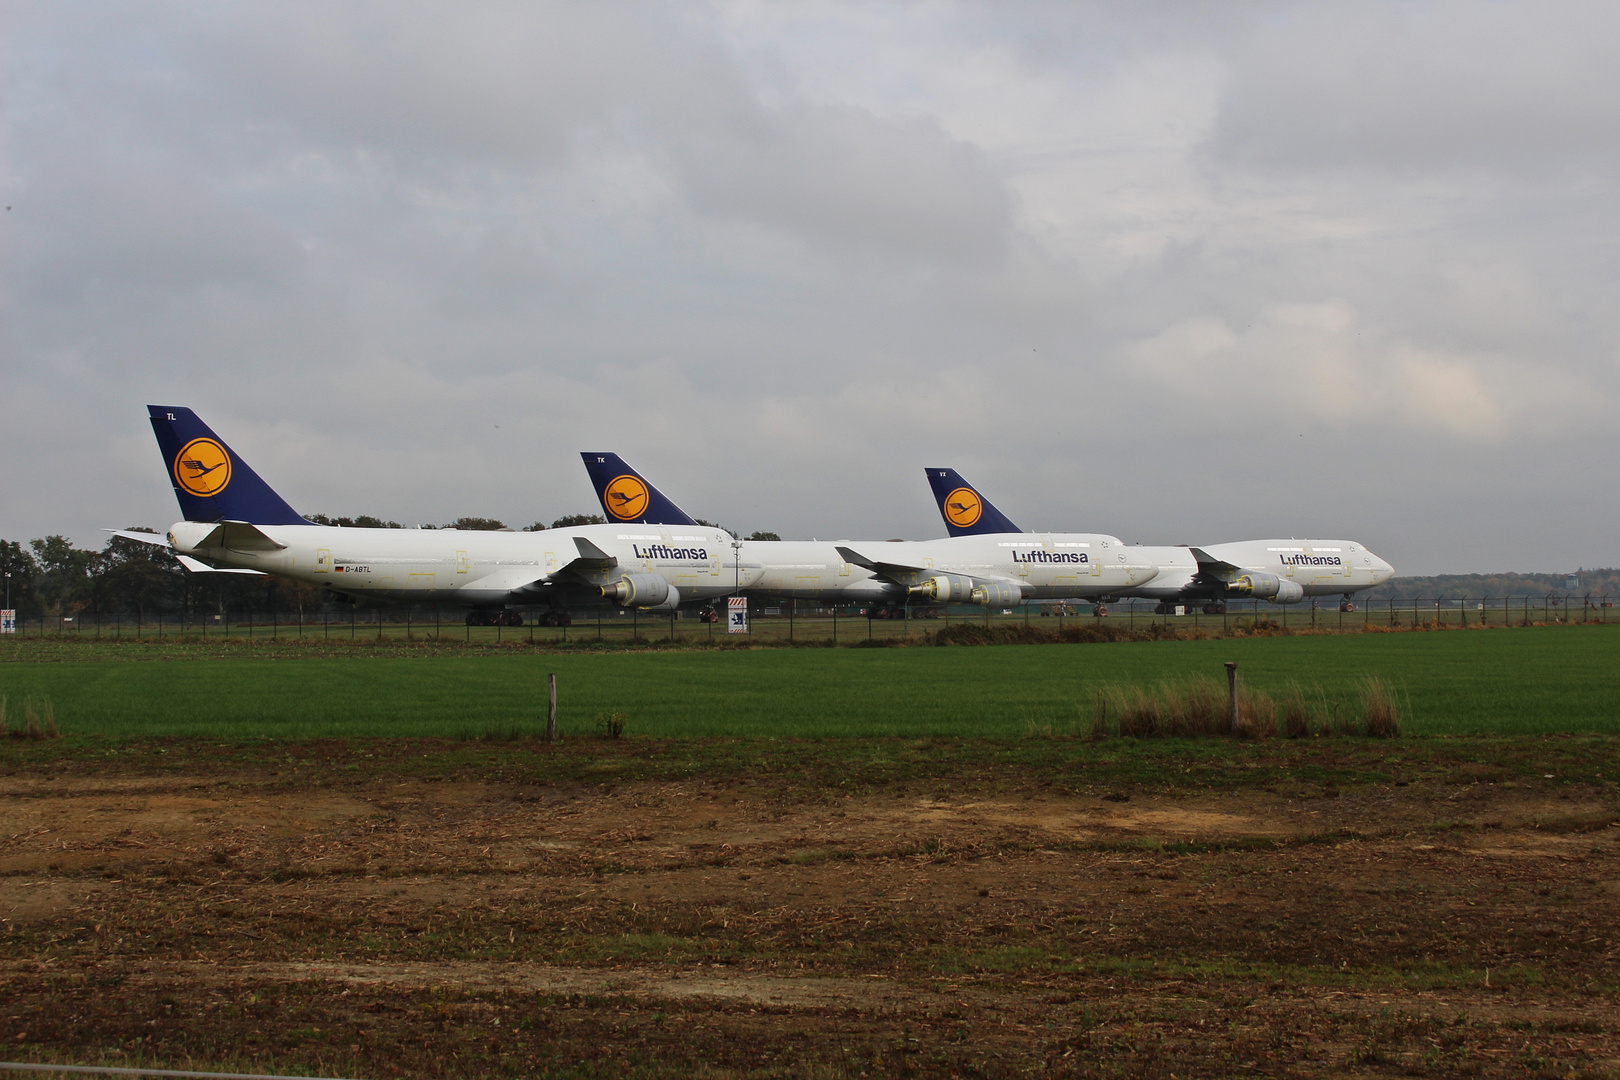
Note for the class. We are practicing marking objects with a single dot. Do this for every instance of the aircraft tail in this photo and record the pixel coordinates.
(211, 482)
(627, 497)
(966, 512)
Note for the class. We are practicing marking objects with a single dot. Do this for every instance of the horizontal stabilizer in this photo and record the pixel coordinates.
(155, 539)
(239, 536)
(198, 567)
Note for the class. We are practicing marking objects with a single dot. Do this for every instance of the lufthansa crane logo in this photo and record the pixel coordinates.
(625, 497)
(202, 467)
(962, 507)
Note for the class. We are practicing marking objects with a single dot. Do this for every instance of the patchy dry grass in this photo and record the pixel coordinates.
(1199, 708)
(754, 908)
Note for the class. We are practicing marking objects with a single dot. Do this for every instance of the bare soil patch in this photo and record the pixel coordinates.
(350, 918)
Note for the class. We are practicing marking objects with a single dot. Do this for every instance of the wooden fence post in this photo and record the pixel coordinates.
(1231, 686)
(551, 708)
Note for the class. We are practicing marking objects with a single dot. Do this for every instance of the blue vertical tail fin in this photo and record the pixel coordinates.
(211, 482)
(966, 512)
(627, 497)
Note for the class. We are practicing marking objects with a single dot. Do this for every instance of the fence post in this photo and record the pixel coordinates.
(1231, 687)
(551, 707)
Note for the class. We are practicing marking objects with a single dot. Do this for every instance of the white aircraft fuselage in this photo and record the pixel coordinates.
(491, 569)
(1316, 567)
(1002, 569)
(475, 568)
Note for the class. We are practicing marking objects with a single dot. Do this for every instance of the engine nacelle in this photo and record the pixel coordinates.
(1264, 586)
(642, 591)
(1288, 592)
(1259, 585)
(946, 588)
(998, 594)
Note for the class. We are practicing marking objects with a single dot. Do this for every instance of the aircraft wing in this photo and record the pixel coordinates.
(899, 573)
(903, 574)
(591, 568)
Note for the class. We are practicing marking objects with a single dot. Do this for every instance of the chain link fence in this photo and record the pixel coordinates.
(807, 622)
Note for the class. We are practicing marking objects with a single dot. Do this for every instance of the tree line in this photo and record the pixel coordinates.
(1478, 586)
(49, 577)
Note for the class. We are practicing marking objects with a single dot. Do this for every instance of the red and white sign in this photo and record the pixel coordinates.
(737, 607)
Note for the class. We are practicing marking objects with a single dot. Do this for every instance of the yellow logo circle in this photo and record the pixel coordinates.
(202, 467)
(962, 507)
(625, 497)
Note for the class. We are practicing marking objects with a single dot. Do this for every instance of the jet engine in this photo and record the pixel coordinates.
(997, 594)
(642, 591)
(1264, 586)
(1288, 592)
(957, 589)
(946, 588)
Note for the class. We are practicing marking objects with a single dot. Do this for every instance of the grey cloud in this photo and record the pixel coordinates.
(1455, 85)
(842, 174)
(480, 84)
(413, 259)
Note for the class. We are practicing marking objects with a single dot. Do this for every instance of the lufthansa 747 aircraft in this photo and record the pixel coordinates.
(235, 522)
(885, 575)
(1281, 571)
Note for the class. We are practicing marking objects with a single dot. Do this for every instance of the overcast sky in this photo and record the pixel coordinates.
(1177, 272)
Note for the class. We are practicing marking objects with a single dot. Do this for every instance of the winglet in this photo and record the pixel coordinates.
(1207, 562)
(588, 550)
(626, 496)
(966, 512)
(210, 480)
(855, 558)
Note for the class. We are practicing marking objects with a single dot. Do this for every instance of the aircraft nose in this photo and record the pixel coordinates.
(1382, 572)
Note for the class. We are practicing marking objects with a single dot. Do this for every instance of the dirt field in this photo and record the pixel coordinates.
(341, 915)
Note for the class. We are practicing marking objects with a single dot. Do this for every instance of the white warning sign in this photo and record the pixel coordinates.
(737, 607)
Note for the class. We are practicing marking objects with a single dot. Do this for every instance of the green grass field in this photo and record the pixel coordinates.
(1521, 681)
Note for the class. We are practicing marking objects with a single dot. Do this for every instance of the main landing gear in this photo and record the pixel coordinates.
(555, 617)
(494, 618)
